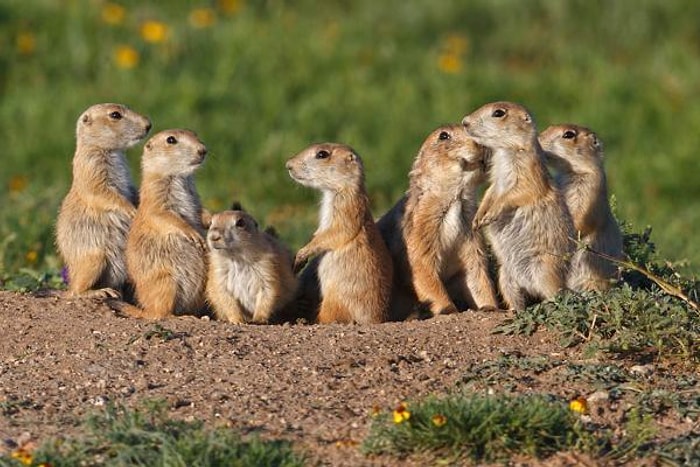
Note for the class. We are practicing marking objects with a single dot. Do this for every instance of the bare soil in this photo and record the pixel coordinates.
(62, 359)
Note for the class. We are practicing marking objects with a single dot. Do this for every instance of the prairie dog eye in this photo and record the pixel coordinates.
(171, 140)
(115, 115)
(240, 223)
(498, 113)
(444, 136)
(323, 154)
(569, 134)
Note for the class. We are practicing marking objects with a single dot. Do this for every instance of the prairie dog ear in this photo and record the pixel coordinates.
(148, 146)
(86, 119)
(527, 118)
(595, 140)
(352, 157)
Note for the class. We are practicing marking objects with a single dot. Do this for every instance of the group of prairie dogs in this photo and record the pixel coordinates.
(160, 248)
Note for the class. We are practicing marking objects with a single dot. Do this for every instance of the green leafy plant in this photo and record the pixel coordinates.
(481, 428)
(128, 437)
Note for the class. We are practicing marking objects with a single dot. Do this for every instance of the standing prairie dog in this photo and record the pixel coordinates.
(166, 251)
(354, 271)
(529, 225)
(250, 272)
(577, 154)
(437, 256)
(95, 215)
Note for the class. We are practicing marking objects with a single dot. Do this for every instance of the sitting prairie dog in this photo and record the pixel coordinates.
(354, 271)
(437, 257)
(166, 252)
(577, 155)
(250, 272)
(529, 225)
(95, 215)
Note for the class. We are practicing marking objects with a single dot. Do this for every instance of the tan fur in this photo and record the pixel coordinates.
(529, 225)
(250, 272)
(429, 230)
(577, 154)
(354, 271)
(95, 215)
(166, 250)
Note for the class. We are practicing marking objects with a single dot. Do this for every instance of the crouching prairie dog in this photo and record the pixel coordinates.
(94, 218)
(354, 269)
(250, 272)
(529, 225)
(166, 252)
(438, 258)
(577, 155)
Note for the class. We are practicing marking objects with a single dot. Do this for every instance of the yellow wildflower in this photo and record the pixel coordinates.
(126, 57)
(31, 256)
(450, 63)
(18, 183)
(23, 456)
(230, 7)
(202, 17)
(154, 31)
(579, 405)
(438, 420)
(401, 413)
(346, 443)
(26, 43)
(113, 14)
(456, 44)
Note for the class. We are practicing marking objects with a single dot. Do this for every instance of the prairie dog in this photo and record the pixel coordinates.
(437, 256)
(95, 215)
(529, 225)
(250, 272)
(354, 271)
(577, 155)
(166, 251)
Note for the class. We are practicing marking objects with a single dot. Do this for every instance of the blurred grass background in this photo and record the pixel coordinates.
(259, 81)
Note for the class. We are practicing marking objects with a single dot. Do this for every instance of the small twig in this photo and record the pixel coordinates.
(590, 330)
(665, 286)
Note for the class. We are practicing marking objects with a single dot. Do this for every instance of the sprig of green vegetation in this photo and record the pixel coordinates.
(497, 427)
(147, 437)
(480, 428)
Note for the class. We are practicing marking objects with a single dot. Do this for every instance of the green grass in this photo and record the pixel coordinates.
(268, 79)
(147, 437)
(465, 426)
(495, 428)
(481, 428)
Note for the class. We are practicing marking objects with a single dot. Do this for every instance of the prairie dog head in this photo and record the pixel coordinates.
(327, 166)
(173, 153)
(232, 232)
(572, 148)
(448, 149)
(113, 127)
(501, 125)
